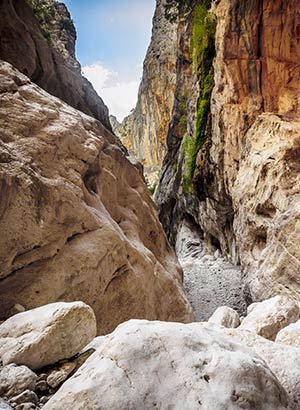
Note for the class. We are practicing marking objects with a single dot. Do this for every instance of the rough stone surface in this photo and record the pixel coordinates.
(47, 334)
(271, 315)
(77, 220)
(49, 62)
(56, 377)
(159, 365)
(4, 405)
(225, 316)
(289, 335)
(284, 361)
(15, 379)
(246, 191)
(26, 397)
(145, 129)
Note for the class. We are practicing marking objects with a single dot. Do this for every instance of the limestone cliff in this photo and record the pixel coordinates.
(145, 128)
(236, 173)
(76, 219)
(38, 38)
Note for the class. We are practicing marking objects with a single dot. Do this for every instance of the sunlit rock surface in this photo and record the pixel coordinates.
(77, 221)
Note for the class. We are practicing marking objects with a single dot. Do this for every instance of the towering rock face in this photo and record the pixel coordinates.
(77, 221)
(245, 192)
(38, 38)
(144, 130)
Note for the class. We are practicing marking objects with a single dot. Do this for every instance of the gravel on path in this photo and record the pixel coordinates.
(210, 281)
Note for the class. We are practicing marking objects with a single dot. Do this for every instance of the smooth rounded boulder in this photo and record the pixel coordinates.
(158, 365)
(225, 316)
(47, 334)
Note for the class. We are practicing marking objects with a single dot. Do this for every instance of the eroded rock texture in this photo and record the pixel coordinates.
(76, 219)
(246, 193)
(155, 365)
(41, 45)
(144, 130)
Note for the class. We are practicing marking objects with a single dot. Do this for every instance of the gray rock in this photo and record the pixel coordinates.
(15, 379)
(26, 406)
(4, 405)
(27, 396)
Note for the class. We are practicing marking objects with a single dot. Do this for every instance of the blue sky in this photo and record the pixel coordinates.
(112, 39)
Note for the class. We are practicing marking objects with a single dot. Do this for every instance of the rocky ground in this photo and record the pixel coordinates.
(210, 281)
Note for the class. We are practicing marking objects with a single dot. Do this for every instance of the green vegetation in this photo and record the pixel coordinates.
(203, 53)
(67, 24)
(152, 188)
(47, 35)
(182, 122)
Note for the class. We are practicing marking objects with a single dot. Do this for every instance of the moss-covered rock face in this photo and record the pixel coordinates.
(203, 53)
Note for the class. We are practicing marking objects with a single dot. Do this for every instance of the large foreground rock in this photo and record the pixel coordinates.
(271, 315)
(47, 334)
(284, 361)
(76, 219)
(154, 365)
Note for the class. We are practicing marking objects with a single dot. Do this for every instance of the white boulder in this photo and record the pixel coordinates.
(271, 315)
(290, 335)
(225, 316)
(47, 334)
(284, 361)
(157, 365)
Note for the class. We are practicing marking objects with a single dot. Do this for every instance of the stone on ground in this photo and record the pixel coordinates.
(15, 379)
(289, 335)
(158, 365)
(225, 316)
(47, 334)
(271, 315)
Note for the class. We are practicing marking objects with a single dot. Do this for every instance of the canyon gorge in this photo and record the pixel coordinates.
(153, 263)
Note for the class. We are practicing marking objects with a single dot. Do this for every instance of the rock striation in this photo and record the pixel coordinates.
(77, 220)
(245, 188)
(144, 130)
(38, 38)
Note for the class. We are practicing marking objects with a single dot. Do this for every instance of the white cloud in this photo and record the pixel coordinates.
(119, 95)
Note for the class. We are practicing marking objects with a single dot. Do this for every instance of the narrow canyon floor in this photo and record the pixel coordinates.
(210, 281)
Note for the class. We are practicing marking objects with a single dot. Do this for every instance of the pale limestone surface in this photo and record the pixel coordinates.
(156, 365)
(47, 334)
(15, 379)
(77, 221)
(289, 335)
(145, 130)
(284, 361)
(225, 316)
(271, 315)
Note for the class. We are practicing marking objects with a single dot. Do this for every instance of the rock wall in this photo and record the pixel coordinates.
(41, 45)
(149, 121)
(76, 219)
(245, 192)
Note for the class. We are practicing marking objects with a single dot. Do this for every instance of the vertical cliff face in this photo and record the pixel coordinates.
(38, 38)
(149, 121)
(57, 27)
(244, 187)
